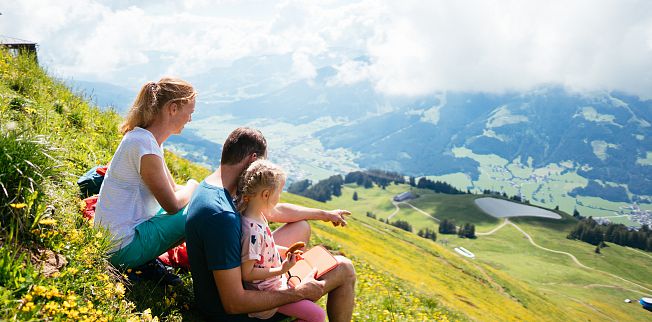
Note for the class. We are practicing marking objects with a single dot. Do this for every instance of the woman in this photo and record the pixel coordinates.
(139, 203)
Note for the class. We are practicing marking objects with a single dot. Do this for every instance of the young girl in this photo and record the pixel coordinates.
(259, 191)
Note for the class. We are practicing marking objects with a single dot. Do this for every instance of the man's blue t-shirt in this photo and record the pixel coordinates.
(213, 242)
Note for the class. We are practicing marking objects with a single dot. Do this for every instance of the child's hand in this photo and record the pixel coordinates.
(289, 261)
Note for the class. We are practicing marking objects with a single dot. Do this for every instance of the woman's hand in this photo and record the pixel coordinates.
(336, 217)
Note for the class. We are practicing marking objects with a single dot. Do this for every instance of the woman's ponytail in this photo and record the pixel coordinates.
(152, 97)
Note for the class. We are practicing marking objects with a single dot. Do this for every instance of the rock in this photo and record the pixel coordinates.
(48, 262)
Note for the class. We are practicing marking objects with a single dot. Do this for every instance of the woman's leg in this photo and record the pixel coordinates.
(291, 233)
(304, 310)
(152, 238)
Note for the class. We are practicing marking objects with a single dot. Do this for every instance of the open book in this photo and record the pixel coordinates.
(317, 257)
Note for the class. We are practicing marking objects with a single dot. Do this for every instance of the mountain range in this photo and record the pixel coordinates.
(604, 137)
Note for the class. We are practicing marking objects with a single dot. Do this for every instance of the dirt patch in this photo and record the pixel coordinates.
(47, 261)
(465, 300)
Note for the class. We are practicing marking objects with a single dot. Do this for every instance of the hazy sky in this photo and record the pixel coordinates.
(414, 47)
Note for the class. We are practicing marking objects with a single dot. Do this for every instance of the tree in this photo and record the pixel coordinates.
(470, 233)
(588, 230)
(576, 213)
(413, 181)
(402, 224)
(428, 234)
(299, 187)
(466, 231)
(597, 249)
(355, 195)
(447, 227)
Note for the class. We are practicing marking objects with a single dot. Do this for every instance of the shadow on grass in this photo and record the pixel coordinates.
(169, 303)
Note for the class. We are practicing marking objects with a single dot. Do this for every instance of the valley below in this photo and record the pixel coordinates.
(526, 263)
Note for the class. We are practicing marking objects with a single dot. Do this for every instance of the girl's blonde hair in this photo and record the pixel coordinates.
(153, 96)
(260, 175)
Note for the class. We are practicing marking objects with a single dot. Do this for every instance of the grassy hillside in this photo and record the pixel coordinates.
(52, 263)
(545, 284)
(50, 137)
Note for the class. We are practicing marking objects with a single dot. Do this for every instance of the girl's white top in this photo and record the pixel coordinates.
(125, 201)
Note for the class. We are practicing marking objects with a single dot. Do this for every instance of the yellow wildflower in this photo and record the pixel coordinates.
(18, 205)
(28, 307)
(73, 314)
(72, 298)
(147, 314)
(52, 308)
(120, 289)
(53, 292)
(48, 222)
(39, 290)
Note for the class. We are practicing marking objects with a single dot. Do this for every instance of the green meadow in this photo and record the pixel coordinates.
(594, 293)
(545, 186)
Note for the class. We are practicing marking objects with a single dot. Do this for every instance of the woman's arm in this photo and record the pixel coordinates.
(286, 212)
(155, 175)
(251, 273)
(174, 185)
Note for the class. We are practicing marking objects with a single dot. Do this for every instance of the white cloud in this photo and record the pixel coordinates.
(414, 47)
(496, 46)
(350, 72)
(302, 67)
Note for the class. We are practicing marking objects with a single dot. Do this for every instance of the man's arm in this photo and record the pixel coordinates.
(237, 300)
(286, 212)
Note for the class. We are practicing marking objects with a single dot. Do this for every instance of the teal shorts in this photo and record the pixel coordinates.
(152, 238)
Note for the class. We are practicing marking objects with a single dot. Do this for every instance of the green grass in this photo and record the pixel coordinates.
(523, 271)
(508, 251)
(440, 206)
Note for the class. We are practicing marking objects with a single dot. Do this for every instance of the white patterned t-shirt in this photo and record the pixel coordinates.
(258, 244)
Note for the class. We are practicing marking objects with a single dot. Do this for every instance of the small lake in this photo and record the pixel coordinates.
(500, 208)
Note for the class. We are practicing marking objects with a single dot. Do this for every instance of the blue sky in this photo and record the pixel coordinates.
(414, 47)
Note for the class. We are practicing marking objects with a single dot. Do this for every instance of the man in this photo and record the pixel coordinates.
(214, 248)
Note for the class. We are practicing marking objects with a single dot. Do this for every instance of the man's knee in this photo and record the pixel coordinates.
(303, 230)
(347, 270)
(304, 226)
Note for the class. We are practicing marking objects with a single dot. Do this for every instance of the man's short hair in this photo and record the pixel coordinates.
(241, 143)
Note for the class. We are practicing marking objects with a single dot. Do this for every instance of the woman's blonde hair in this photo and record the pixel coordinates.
(260, 175)
(153, 96)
